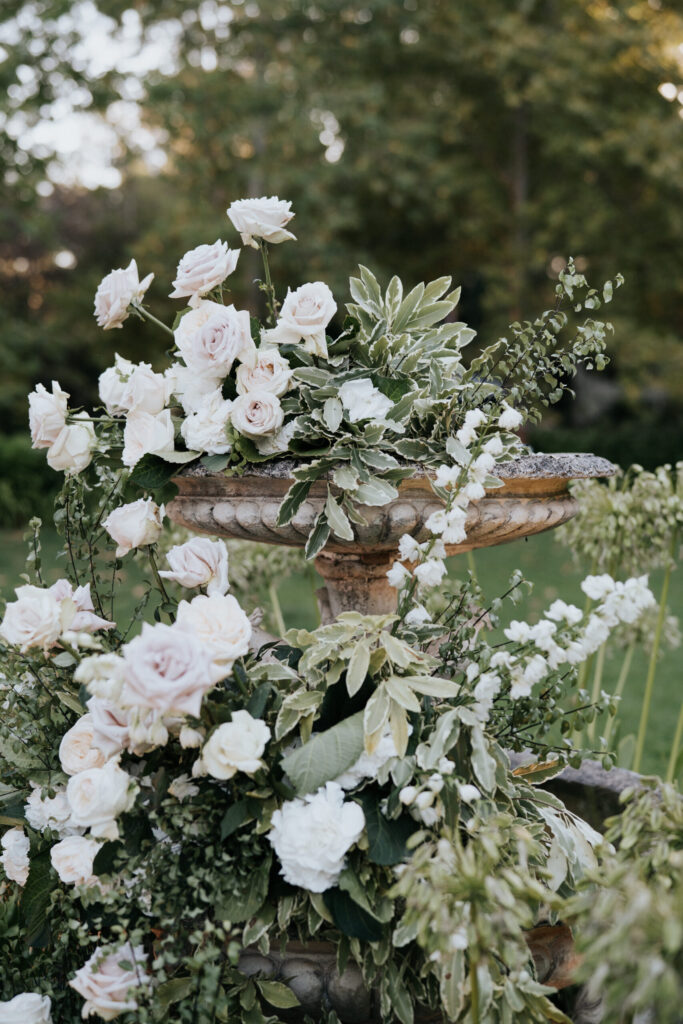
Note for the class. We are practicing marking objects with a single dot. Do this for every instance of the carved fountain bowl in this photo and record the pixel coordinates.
(534, 497)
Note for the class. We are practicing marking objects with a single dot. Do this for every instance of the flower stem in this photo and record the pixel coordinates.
(597, 683)
(146, 315)
(277, 610)
(621, 683)
(268, 288)
(474, 988)
(675, 749)
(652, 667)
(159, 581)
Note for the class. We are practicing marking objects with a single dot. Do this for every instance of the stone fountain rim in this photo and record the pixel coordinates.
(536, 466)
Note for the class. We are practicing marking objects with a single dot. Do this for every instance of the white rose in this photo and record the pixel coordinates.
(15, 860)
(261, 218)
(36, 619)
(167, 669)
(202, 269)
(190, 738)
(312, 836)
(304, 316)
(145, 434)
(204, 430)
(110, 727)
(189, 387)
(127, 386)
(46, 414)
(98, 796)
(135, 525)
(257, 413)
(363, 401)
(211, 337)
(72, 450)
(199, 562)
(72, 858)
(271, 373)
(107, 987)
(77, 750)
(115, 294)
(147, 730)
(222, 627)
(49, 812)
(236, 746)
(26, 1008)
(84, 619)
(102, 674)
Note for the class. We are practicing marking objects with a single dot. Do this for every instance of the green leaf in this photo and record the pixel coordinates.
(376, 711)
(433, 686)
(401, 1003)
(237, 814)
(387, 837)
(332, 414)
(35, 896)
(412, 449)
(435, 289)
(358, 667)
(256, 704)
(453, 983)
(242, 906)
(215, 463)
(173, 991)
(179, 458)
(326, 755)
(483, 764)
(376, 492)
(107, 857)
(407, 308)
(337, 518)
(393, 298)
(292, 501)
(318, 537)
(312, 375)
(71, 701)
(152, 473)
(402, 694)
(351, 919)
(277, 994)
(378, 460)
(346, 478)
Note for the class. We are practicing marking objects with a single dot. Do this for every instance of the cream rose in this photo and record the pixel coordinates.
(115, 294)
(191, 388)
(304, 316)
(261, 218)
(49, 812)
(204, 430)
(211, 337)
(102, 674)
(235, 746)
(312, 836)
(98, 796)
(257, 414)
(202, 269)
(127, 386)
(15, 859)
(135, 525)
(109, 725)
(167, 669)
(222, 627)
(278, 442)
(36, 619)
(84, 619)
(77, 750)
(199, 562)
(26, 1008)
(363, 401)
(108, 988)
(72, 858)
(271, 373)
(145, 434)
(72, 450)
(46, 414)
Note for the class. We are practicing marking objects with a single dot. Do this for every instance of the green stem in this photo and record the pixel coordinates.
(271, 302)
(146, 315)
(673, 759)
(597, 684)
(277, 610)
(621, 683)
(159, 581)
(652, 667)
(471, 565)
(474, 986)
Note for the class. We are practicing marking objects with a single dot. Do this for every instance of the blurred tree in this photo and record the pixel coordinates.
(425, 137)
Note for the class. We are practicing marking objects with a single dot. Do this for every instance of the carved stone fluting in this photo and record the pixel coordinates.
(534, 497)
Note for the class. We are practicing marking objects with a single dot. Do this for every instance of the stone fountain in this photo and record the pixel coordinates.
(534, 497)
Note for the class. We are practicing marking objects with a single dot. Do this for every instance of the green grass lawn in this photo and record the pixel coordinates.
(542, 560)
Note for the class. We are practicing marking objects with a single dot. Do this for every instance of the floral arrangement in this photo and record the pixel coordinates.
(175, 792)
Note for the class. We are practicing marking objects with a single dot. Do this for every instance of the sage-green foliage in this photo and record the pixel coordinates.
(630, 930)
